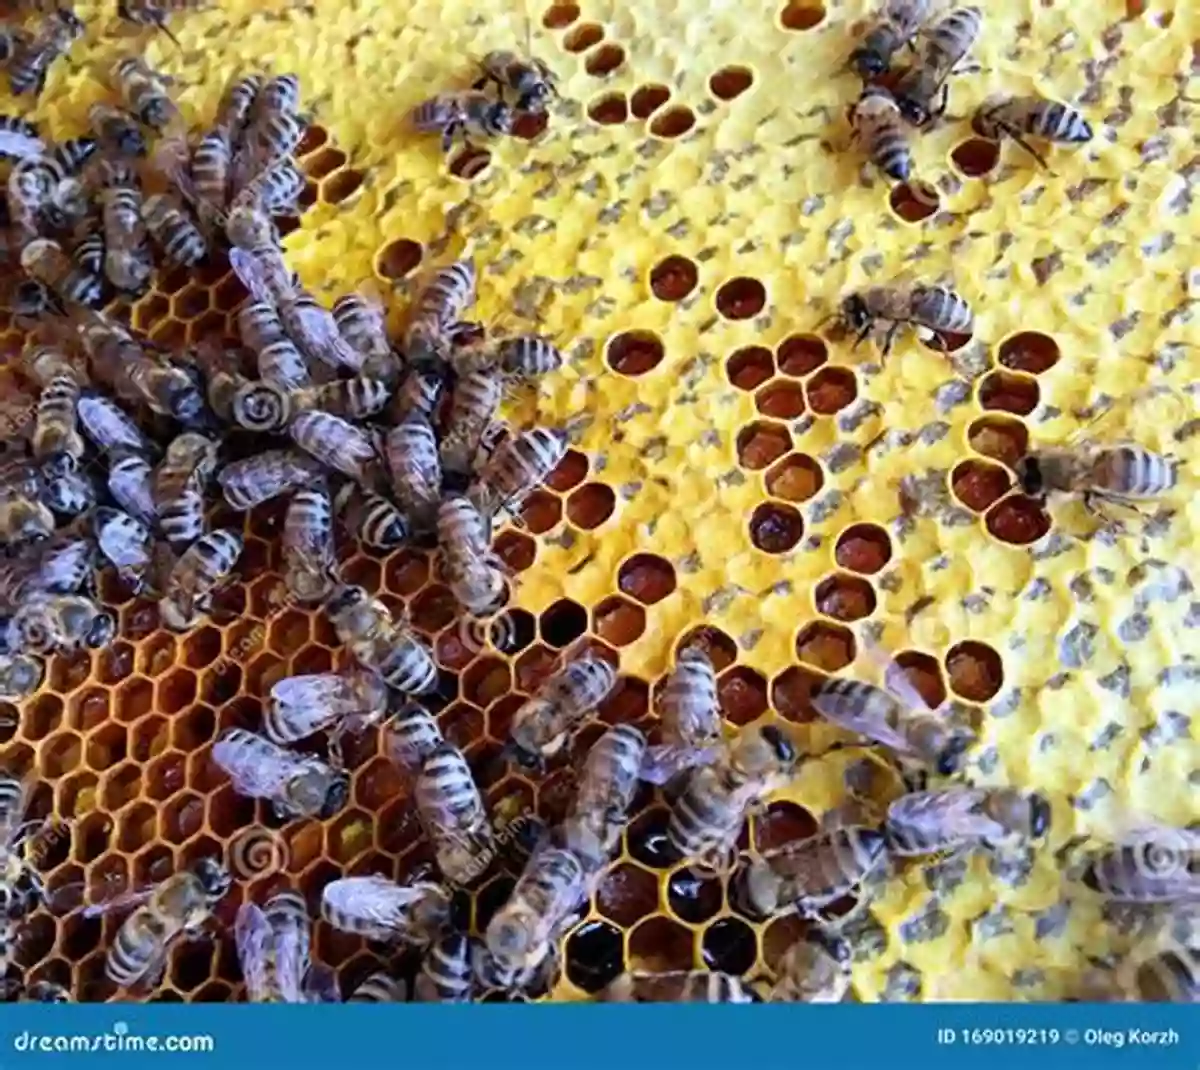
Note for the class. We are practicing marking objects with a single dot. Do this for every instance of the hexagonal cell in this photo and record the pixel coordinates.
(87, 709)
(721, 649)
(190, 302)
(1018, 519)
(201, 647)
(406, 572)
(595, 955)
(534, 666)
(646, 839)
(673, 122)
(181, 818)
(741, 298)
(914, 201)
(133, 699)
(114, 663)
(780, 401)
(590, 505)
(796, 478)
(775, 528)
(978, 484)
(646, 578)
(674, 278)
(731, 82)
(220, 683)
(761, 443)
(844, 597)
(341, 185)
(830, 390)
(485, 681)
(81, 936)
(165, 776)
(975, 671)
(191, 966)
(999, 437)
(604, 59)
(42, 715)
(748, 368)
(398, 258)
(176, 690)
(694, 899)
(560, 15)
(628, 702)
(647, 99)
(743, 695)
(782, 823)
(433, 609)
(156, 655)
(661, 945)
(609, 109)
(310, 660)
(1012, 392)
(863, 548)
(288, 632)
(618, 621)
(1029, 351)
(121, 785)
(800, 354)
(923, 674)
(60, 755)
(470, 162)
(801, 15)
(76, 795)
(828, 647)
(194, 728)
(780, 936)
(729, 945)
(634, 353)
(627, 894)
(518, 551)
(348, 836)
(571, 471)
(975, 157)
(541, 512)
(106, 747)
(583, 37)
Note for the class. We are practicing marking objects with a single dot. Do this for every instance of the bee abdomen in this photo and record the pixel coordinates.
(942, 309)
(378, 988)
(446, 971)
(383, 526)
(1061, 123)
(181, 240)
(181, 519)
(1135, 472)
(448, 294)
(70, 156)
(409, 667)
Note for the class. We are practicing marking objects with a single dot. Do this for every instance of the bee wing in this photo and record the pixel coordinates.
(320, 332)
(251, 273)
(252, 934)
(311, 701)
(321, 985)
(19, 146)
(372, 899)
(250, 775)
(948, 808)
(172, 159)
(108, 897)
(291, 954)
(663, 762)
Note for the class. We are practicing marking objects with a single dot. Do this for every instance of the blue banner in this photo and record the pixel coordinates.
(582, 1037)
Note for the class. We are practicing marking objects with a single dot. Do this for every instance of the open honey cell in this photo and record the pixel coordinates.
(791, 694)
(780, 936)
(60, 755)
(165, 776)
(627, 894)
(1018, 519)
(1029, 351)
(721, 649)
(913, 202)
(844, 597)
(590, 505)
(604, 59)
(776, 528)
(975, 157)
(800, 354)
(646, 578)
(647, 99)
(741, 298)
(120, 786)
(609, 109)
(828, 647)
(582, 37)
(107, 746)
(801, 15)
(541, 512)
(781, 400)
(470, 162)
(742, 693)
(761, 443)
(863, 548)
(729, 946)
(42, 715)
(782, 823)
(750, 367)
(534, 666)
(595, 954)
(673, 278)
(978, 484)
(661, 945)
(796, 478)
(629, 701)
(486, 680)
(571, 471)
(999, 437)
(646, 839)
(1009, 392)
(634, 353)
(398, 258)
(923, 675)
(563, 622)
(559, 16)
(618, 621)
(830, 390)
(673, 122)
(433, 609)
(728, 83)
(975, 671)
(693, 898)
(407, 571)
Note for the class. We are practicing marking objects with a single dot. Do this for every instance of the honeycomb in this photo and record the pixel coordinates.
(682, 228)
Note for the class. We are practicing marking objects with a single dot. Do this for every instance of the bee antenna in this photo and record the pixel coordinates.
(160, 24)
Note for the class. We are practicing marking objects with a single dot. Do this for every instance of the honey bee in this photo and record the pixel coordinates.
(377, 642)
(20, 884)
(309, 558)
(69, 493)
(361, 323)
(109, 427)
(691, 719)
(153, 13)
(895, 26)
(63, 566)
(46, 262)
(144, 93)
(709, 812)
(272, 191)
(475, 575)
(178, 488)
(125, 543)
(56, 623)
(19, 138)
(1171, 976)
(45, 992)
(449, 292)
(469, 113)
(678, 986)
(1021, 118)
(117, 129)
(211, 170)
(278, 95)
(128, 264)
(205, 564)
(446, 975)
(87, 259)
(273, 946)
(24, 517)
(254, 480)
(237, 102)
(521, 939)
(927, 822)
(33, 54)
(418, 395)
(355, 398)
(815, 969)
(296, 786)
(130, 482)
(1155, 865)
(607, 784)
(376, 521)
(346, 702)
(811, 873)
(530, 79)
(412, 736)
(175, 908)
(379, 988)
(20, 676)
(516, 467)
(337, 444)
(171, 227)
(946, 44)
(57, 443)
(528, 356)
(931, 310)
(544, 723)
(413, 461)
(451, 810)
(1122, 474)
(879, 127)
(474, 402)
(379, 909)
(279, 359)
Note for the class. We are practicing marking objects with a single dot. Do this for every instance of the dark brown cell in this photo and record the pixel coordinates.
(583, 37)
(824, 646)
(721, 650)
(750, 367)
(830, 390)
(190, 302)
(1009, 392)
(324, 162)
(314, 137)
(780, 936)
(534, 666)
(975, 671)
(1018, 519)
(762, 443)
(729, 945)
(913, 202)
(844, 597)
(796, 478)
(530, 125)
(791, 694)
(801, 15)
(782, 823)
(647, 99)
(571, 471)
(863, 548)
(109, 745)
(634, 353)
(602, 61)
(181, 818)
(470, 162)
(433, 609)
(741, 298)
(398, 258)
(1029, 351)
(541, 512)
(485, 681)
(742, 693)
(618, 621)
(134, 698)
(517, 551)
(609, 109)
(673, 122)
(781, 401)
(43, 715)
(563, 622)
(87, 709)
(674, 278)
(730, 82)
(978, 484)
(595, 955)
(559, 16)
(647, 578)
(627, 894)
(591, 505)
(165, 776)
(776, 528)
(661, 945)
(341, 186)
(923, 674)
(976, 157)
(201, 647)
(694, 899)
(646, 839)
(121, 785)
(1000, 438)
(800, 354)
(406, 572)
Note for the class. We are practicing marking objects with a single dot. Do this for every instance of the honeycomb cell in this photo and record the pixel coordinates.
(830, 390)
(190, 302)
(863, 548)
(228, 294)
(560, 16)
(775, 528)
(975, 671)
(796, 478)
(65, 673)
(470, 162)
(750, 367)
(590, 505)
(780, 401)
(193, 729)
(741, 298)
(978, 484)
(533, 667)
(1029, 351)
(761, 443)
(152, 865)
(627, 894)
(782, 823)
(120, 786)
(731, 82)
(563, 622)
(779, 937)
(729, 945)
(583, 37)
(828, 647)
(81, 936)
(923, 674)
(10, 722)
(1018, 519)
(694, 899)
(791, 694)
(673, 122)
(60, 755)
(571, 471)
(602, 60)
(342, 185)
(106, 747)
(844, 597)
(913, 202)
(801, 15)
(1009, 392)
(407, 572)
(646, 839)
(165, 776)
(541, 512)
(647, 99)
(634, 353)
(42, 715)
(433, 609)
(176, 690)
(646, 578)
(618, 621)
(398, 258)
(800, 354)
(228, 812)
(673, 278)
(156, 655)
(181, 818)
(324, 162)
(743, 695)
(975, 157)
(661, 945)
(1000, 438)
(220, 683)
(722, 651)
(485, 681)
(348, 836)
(191, 966)
(310, 660)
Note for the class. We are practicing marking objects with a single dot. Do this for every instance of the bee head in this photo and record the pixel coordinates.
(102, 630)
(854, 312)
(913, 111)
(1039, 814)
(336, 795)
(345, 598)
(213, 877)
(950, 759)
(779, 743)
(1030, 476)
(868, 62)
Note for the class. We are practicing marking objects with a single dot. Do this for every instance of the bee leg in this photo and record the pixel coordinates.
(449, 133)
(1032, 151)
(889, 338)
(862, 335)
